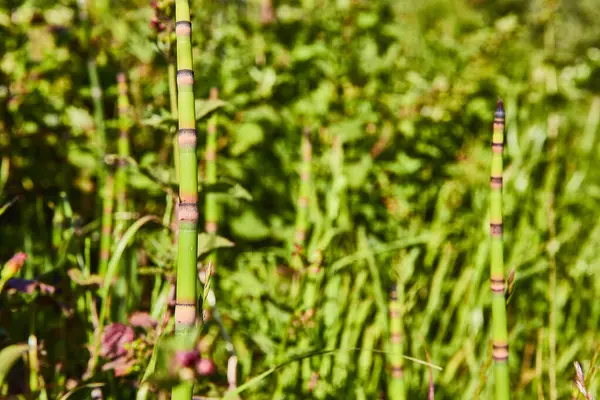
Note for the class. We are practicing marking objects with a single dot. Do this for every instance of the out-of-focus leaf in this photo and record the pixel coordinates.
(208, 242)
(246, 136)
(8, 356)
(77, 276)
(205, 107)
(249, 226)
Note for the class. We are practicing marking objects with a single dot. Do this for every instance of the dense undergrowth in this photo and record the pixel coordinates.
(396, 101)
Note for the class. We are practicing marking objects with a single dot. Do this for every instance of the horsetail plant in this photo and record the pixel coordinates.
(396, 388)
(185, 304)
(211, 211)
(305, 169)
(498, 285)
(123, 154)
(107, 219)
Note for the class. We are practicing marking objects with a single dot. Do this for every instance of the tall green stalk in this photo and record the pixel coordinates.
(107, 218)
(185, 305)
(499, 328)
(305, 170)
(123, 152)
(396, 387)
(211, 210)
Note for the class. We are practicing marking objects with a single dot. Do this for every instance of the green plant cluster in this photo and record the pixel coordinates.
(396, 101)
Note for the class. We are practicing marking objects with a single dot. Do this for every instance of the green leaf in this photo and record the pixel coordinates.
(208, 242)
(249, 226)
(246, 136)
(8, 356)
(226, 186)
(205, 107)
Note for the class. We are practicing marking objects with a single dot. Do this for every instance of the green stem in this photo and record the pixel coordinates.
(186, 297)
(498, 284)
(396, 387)
(211, 210)
(303, 196)
(107, 217)
(123, 152)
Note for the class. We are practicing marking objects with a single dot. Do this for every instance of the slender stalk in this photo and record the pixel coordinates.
(186, 297)
(123, 152)
(499, 328)
(396, 387)
(107, 218)
(305, 172)
(211, 209)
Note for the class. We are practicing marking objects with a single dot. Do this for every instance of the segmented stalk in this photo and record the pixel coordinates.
(107, 218)
(123, 152)
(211, 210)
(499, 328)
(185, 305)
(98, 101)
(302, 214)
(396, 388)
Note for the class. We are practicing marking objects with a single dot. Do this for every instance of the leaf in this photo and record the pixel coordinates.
(249, 226)
(8, 356)
(205, 107)
(207, 242)
(77, 276)
(314, 353)
(246, 136)
(229, 187)
(79, 388)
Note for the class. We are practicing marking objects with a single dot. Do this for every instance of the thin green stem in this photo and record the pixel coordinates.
(498, 284)
(211, 208)
(123, 152)
(107, 218)
(303, 195)
(396, 386)
(186, 297)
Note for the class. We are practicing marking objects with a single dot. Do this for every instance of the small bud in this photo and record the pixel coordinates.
(206, 367)
(13, 265)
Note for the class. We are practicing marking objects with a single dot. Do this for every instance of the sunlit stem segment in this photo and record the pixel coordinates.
(123, 152)
(107, 219)
(185, 306)
(303, 197)
(211, 208)
(396, 386)
(499, 323)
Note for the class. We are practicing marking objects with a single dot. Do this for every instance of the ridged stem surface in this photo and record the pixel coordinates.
(396, 385)
(499, 323)
(107, 218)
(185, 306)
(211, 207)
(123, 152)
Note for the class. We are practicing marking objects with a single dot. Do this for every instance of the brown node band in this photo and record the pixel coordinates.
(210, 227)
(186, 137)
(496, 229)
(497, 147)
(397, 371)
(185, 304)
(210, 154)
(303, 201)
(183, 28)
(185, 77)
(394, 314)
(498, 285)
(187, 212)
(394, 295)
(496, 182)
(396, 337)
(500, 352)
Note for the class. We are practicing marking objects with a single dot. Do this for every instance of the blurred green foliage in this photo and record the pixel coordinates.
(399, 97)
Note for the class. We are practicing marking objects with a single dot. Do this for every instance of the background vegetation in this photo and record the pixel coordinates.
(397, 98)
